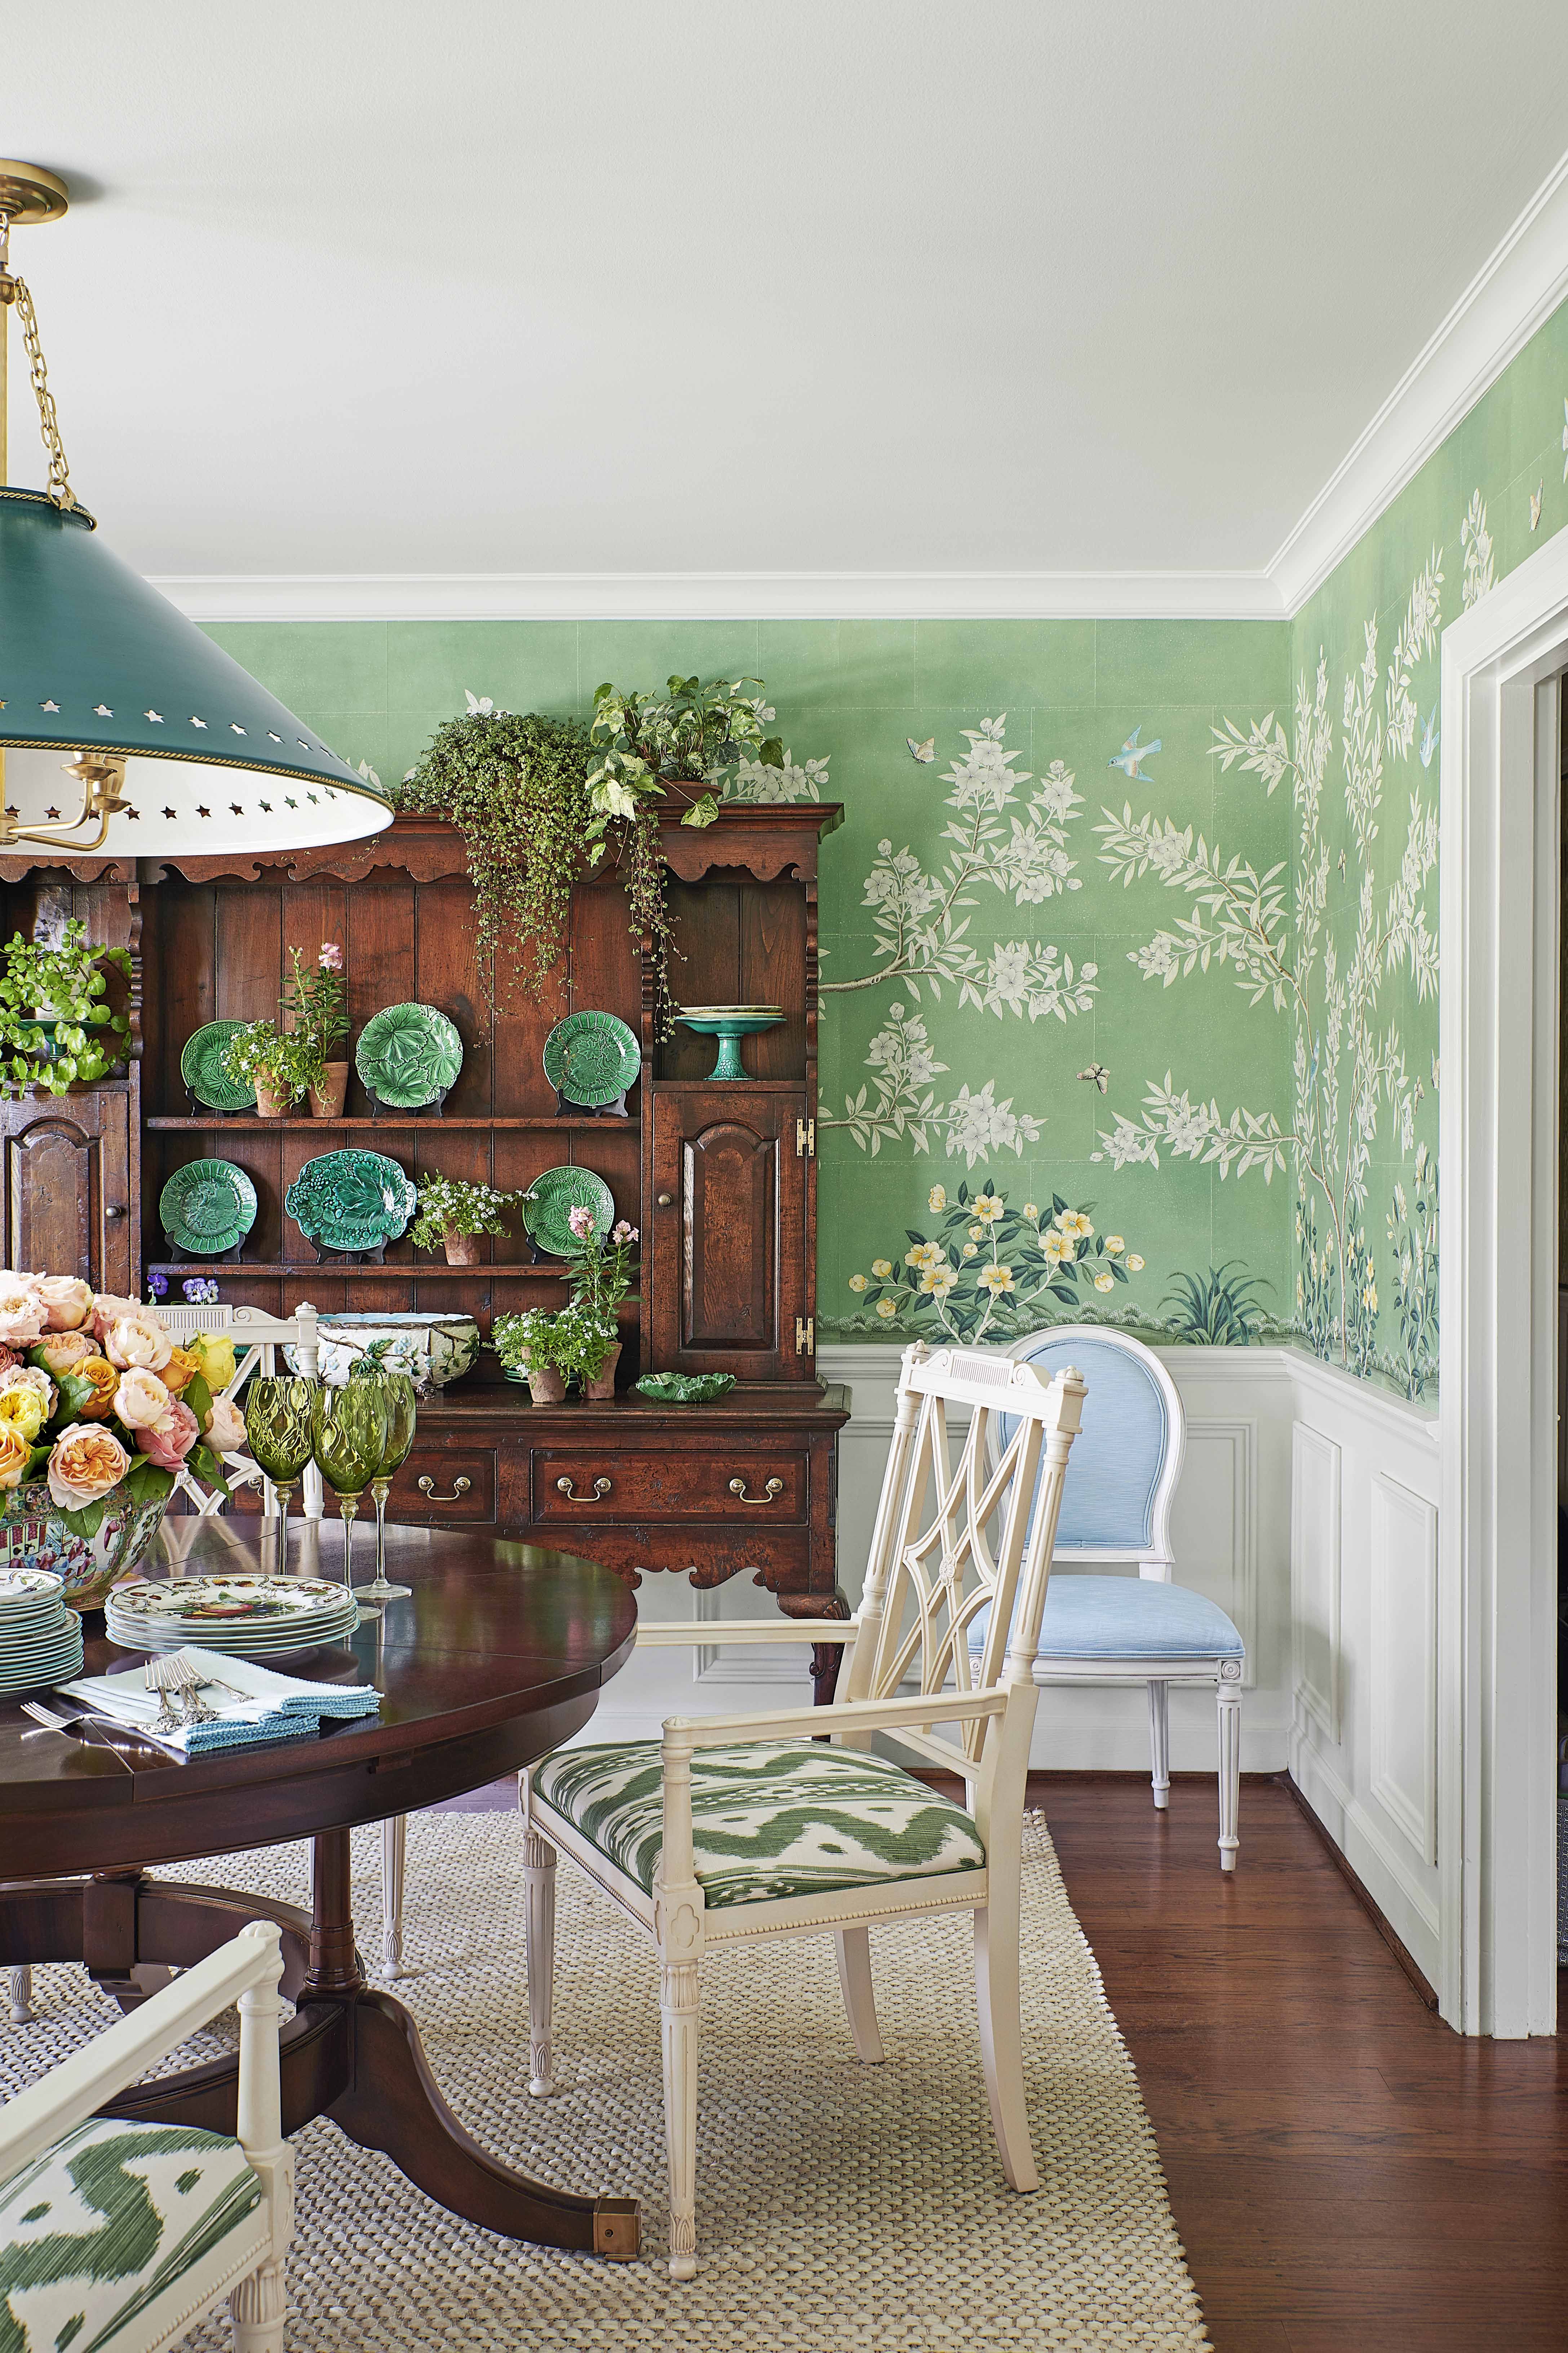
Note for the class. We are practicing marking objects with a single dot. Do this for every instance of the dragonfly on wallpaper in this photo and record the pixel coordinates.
(1132, 753)
(1429, 734)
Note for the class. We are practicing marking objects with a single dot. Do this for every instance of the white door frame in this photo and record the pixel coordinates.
(1499, 820)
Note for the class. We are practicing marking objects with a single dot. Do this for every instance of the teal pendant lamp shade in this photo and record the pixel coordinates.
(92, 659)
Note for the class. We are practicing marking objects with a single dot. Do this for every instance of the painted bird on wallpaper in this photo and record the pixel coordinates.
(924, 753)
(1132, 753)
(1429, 734)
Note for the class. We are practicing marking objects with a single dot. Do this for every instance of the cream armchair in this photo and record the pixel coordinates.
(752, 1825)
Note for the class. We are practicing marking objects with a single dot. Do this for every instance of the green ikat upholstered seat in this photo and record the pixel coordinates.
(98, 2230)
(788, 1817)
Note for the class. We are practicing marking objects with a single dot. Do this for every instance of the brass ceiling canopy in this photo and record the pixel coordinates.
(29, 193)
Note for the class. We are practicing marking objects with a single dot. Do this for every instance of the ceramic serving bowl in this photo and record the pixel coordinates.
(32, 1534)
(431, 1349)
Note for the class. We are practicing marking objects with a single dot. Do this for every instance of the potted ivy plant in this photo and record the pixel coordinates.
(455, 1214)
(315, 1006)
(58, 1029)
(278, 1063)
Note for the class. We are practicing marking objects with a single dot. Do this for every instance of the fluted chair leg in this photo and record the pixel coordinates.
(393, 1848)
(1229, 1774)
(1160, 1743)
(539, 1891)
(22, 2010)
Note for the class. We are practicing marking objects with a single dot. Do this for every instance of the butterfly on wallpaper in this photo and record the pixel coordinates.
(1132, 753)
(480, 706)
(924, 753)
(1535, 504)
(1097, 1076)
(1429, 735)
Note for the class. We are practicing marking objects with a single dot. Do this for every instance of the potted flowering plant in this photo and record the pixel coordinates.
(280, 1064)
(316, 1005)
(547, 1351)
(599, 1271)
(455, 1213)
(99, 1411)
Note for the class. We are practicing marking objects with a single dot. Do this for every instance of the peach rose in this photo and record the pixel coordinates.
(169, 1441)
(15, 1451)
(180, 1371)
(21, 1312)
(105, 1380)
(66, 1301)
(226, 1427)
(108, 1308)
(85, 1464)
(140, 1400)
(63, 1351)
(29, 1376)
(137, 1340)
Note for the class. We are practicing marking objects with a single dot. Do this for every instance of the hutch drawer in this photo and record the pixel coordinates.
(740, 1481)
(438, 1487)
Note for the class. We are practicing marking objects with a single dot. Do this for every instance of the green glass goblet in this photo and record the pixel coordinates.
(277, 1427)
(347, 1429)
(402, 1413)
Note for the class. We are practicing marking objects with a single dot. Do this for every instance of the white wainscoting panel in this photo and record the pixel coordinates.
(1403, 1680)
(1315, 1575)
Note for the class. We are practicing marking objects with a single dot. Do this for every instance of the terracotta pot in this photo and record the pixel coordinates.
(329, 1091)
(462, 1250)
(271, 1103)
(547, 1383)
(601, 1389)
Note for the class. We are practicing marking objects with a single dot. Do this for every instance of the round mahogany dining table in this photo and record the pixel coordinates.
(496, 1657)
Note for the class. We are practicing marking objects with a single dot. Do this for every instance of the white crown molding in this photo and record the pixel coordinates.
(1515, 290)
(723, 596)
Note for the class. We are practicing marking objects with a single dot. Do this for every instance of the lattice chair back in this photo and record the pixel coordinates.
(957, 1535)
(257, 1337)
(1127, 1457)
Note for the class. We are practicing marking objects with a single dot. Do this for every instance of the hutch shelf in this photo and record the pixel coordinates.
(718, 1175)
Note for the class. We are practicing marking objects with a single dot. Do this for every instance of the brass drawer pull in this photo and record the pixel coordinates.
(775, 1487)
(427, 1486)
(563, 1487)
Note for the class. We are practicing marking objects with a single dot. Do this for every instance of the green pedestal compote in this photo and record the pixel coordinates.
(728, 1024)
(348, 1430)
(278, 1425)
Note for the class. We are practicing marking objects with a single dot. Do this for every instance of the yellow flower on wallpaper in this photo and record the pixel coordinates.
(886, 1307)
(977, 1233)
(1115, 1245)
(924, 1254)
(996, 1280)
(1074, 1224)
(936, 1200)
(939, 1281)
(1133, 1263)
(857, 1283)
(882, 1268)
(1105, 1283)
(988, 1208)
(1032, 1211)
(1369, 1299)
(1057, 1248)
(970, 1249)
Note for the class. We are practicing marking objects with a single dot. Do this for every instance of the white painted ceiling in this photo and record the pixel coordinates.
(366, 286)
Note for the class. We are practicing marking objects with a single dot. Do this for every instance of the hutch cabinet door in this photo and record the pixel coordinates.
(727, 1282)
(67, 1188)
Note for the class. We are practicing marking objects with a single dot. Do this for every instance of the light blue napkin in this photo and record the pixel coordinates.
(255, 1705)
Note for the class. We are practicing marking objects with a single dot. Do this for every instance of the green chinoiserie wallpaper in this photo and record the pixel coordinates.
(1130, 957)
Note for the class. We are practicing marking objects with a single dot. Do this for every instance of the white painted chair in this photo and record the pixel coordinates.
(1117, 1507)
(829, 1835)
(72, 2183)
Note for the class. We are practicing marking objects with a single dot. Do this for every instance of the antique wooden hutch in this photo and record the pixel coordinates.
(718, 1177)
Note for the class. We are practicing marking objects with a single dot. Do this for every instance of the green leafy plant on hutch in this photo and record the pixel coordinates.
(453, 1214)
(57, 1028)
(550, 1350)
(280, 1064)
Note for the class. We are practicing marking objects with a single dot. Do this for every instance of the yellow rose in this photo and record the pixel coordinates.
(22, 1409)
(882, 1268)
(214, 1353)
(86, 1463)
(857, 1283)
(886, 1308)
(15, 1451)
(1134, 1264)
(181, 1369)
(105, 1381)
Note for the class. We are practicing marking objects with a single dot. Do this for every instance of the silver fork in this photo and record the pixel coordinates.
(156, 1675)
(67, 1723)
(185, 1680)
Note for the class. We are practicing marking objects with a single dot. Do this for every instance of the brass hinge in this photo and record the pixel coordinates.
(805, 1337)
(805, 1139)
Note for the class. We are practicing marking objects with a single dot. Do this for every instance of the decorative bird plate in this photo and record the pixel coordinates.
(351, 1200)
(206, 1207)
(553, 1196)
(409, 1056)
(592, 1059)
(203, 1073)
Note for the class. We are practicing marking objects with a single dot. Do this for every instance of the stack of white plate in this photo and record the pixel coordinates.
(40, 1639)
(248, 1616)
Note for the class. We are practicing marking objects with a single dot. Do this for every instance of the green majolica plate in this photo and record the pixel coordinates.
(592, 1059)
(548, 1198)
(685, 1388)
(408, 1055)
(202, 1070)
(351, 1200)
(207, 1206)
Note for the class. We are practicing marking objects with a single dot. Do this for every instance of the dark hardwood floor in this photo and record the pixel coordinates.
(1347, 2174)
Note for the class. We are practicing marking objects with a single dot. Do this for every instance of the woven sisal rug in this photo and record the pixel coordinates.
(841, 2208)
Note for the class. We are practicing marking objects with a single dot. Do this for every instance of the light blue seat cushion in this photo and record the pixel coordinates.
(106, 2221)
(1115, 1618)
(770, 1818)
(1108, 1496)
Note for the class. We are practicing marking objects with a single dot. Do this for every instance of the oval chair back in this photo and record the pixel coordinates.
(1127, 1457)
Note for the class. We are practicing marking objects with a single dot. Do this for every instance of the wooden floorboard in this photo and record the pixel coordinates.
(1347, 2174)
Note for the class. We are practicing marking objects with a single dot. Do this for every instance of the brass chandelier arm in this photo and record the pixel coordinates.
(102, 779)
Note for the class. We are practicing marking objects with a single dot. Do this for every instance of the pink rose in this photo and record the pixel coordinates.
(168, 1442)
(21, 1312)
(107, 1308)
(140, 1400)
(332, 957)
(225, 1428)
(137, 1340)
(66, 1301)
(63, 1350)
(87, 1461)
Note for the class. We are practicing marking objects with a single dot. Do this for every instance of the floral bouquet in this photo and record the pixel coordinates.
(99, 1411)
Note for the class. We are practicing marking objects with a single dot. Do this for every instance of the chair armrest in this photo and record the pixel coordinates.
(69, 2094)
(749, 1630)
(844, 1715)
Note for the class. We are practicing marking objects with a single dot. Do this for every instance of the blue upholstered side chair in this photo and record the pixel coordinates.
(1116, 1506)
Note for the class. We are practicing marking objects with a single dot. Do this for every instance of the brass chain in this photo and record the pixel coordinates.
(15, 290)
